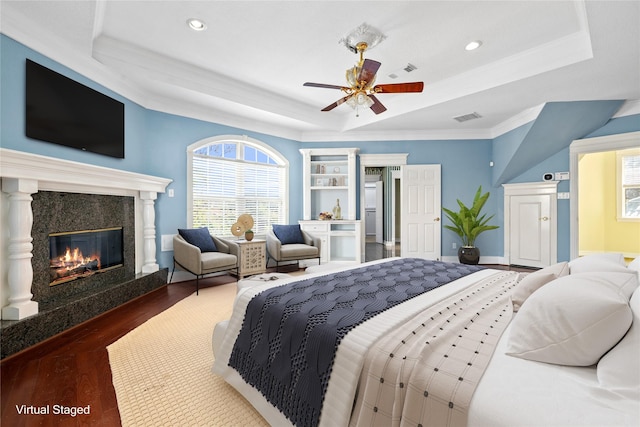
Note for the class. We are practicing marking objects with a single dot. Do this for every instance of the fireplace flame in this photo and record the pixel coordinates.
(73, 265)
(73, 259)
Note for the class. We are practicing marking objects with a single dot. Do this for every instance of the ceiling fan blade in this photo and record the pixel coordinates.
(335, 104)
(377, 106)
(368, 70)
(322, 85)
(399, 87)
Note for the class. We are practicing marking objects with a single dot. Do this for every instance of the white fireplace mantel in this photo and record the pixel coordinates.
(24, 174)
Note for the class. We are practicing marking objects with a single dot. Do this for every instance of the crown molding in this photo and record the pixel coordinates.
(630, 107)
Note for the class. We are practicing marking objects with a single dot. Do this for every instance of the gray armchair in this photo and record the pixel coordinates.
(192, 259)
(309, 249)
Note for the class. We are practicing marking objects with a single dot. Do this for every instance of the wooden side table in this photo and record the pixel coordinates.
(253, 257)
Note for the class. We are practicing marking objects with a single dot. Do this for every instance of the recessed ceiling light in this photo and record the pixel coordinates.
(473, 45)
(196, 24)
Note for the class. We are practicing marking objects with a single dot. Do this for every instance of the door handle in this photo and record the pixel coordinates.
(437, 219)
(544, 218)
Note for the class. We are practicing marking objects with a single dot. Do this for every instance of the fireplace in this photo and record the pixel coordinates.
(44, 197)
(99, 229)
(78, 254)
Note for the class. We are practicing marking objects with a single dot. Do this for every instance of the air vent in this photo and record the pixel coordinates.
(467, 117)
(410, 67)
(406, 69)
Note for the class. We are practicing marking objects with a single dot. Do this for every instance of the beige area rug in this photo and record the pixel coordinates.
(162, 369)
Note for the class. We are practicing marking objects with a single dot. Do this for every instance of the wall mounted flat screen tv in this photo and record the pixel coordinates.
(65, 112)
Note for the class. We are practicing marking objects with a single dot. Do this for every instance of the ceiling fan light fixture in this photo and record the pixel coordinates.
(364, 35)
(359, 99)
(352, 76)
(364, 100)
(361, 91)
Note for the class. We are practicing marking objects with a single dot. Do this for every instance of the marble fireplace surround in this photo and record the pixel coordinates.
(24, 174)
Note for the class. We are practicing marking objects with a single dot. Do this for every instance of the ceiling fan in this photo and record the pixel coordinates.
(361, 90)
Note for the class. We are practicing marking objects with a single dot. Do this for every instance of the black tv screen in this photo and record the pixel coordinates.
(65, 112)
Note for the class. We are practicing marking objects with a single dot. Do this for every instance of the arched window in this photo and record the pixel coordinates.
(233, 175)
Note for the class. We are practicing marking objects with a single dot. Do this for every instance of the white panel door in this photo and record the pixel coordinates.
(530, 225)
(421, 200)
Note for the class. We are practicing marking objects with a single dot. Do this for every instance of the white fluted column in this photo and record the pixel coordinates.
(149, 225)
(19, 269)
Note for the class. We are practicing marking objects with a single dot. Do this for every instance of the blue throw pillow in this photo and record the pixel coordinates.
(288, 234)
(199, 237)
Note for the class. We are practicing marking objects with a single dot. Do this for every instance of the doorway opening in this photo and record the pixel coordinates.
(593, 164)
(382, 200)
(380, 204)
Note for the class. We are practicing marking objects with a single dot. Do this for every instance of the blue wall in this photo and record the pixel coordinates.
(156, 145)
(559, 162)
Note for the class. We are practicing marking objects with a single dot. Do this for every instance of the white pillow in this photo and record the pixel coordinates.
(635, 265)
(573, 320)
(533, 281)
(597, 262)
(620, 367)
(625, 281)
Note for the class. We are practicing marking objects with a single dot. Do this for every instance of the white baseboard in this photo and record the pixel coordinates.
(483, 259)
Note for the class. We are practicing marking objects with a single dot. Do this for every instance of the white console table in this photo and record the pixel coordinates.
(340, 239)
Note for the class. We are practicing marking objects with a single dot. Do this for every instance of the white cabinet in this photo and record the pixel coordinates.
(340, 239)
(329, 175)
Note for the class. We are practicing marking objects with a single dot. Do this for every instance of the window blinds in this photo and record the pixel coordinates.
(631, 170)
(223, 189)
(631, 185)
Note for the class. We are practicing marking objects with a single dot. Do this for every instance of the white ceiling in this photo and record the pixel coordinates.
(248, 67)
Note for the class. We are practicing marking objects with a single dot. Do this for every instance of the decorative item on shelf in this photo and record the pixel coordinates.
(336, 169)
(337, 210)
(243, 225)
(468, 224)
(324, 216)
(322, 169)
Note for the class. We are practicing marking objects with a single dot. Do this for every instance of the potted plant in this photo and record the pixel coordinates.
(468, 223)
(248, 235)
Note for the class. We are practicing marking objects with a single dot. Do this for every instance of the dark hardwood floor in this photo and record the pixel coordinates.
(72, 369)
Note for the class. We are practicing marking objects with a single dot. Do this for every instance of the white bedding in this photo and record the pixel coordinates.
(522, 393)
(513, 392)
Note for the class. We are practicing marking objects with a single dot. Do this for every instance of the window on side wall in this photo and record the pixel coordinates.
(232, 176)
(628, 180)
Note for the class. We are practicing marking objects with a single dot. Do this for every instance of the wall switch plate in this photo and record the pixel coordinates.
(170, 192)
(453, 245)
(167, 242)
(564, 195)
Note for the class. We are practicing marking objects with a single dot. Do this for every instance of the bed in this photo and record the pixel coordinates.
(479, 347)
